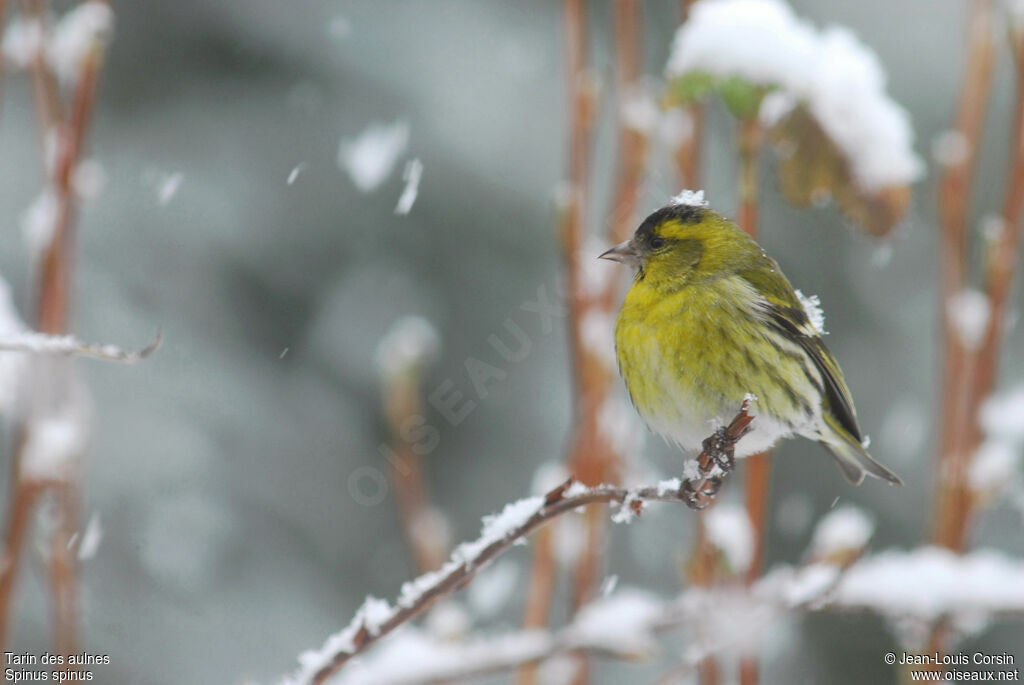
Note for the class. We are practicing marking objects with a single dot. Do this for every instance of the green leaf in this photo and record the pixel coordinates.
(742, 97)
(692, 87)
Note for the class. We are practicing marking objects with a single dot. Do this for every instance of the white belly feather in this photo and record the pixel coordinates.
(680, 419)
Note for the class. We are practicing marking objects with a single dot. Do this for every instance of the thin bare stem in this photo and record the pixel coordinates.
(3, 22)
(749, 144)
(23, 499)
(592, 458)
(758, 466)
(52, 317)
(63, 571)
(632, 144)
(539, 595)
(687, 152)
(580, 113)
(419, 519)
(703, 570)
(955, 190)
(1001, 263)
(53, 314)
(49, 107)
(56, 263)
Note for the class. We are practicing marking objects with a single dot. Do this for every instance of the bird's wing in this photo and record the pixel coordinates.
(783, 311)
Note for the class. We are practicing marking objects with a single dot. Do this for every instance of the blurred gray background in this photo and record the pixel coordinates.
(221, 466)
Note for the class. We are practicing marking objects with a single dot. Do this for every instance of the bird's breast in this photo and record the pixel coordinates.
(689, 357)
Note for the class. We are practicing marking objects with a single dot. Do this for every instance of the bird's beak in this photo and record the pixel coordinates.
(625, 253)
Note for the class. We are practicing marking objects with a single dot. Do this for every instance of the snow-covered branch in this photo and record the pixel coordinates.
(376, 617)
(68, 345)
(624, 625)
(912, 589)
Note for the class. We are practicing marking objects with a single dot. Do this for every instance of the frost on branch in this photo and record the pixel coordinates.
(822, 93)
(18, 346)
(69, 346)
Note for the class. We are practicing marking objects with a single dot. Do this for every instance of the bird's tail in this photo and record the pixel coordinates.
(853, 460)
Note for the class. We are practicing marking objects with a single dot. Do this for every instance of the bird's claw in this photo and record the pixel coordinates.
(698, 494)
(719, 449)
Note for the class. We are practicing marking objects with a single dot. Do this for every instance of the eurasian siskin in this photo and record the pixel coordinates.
(710, 318)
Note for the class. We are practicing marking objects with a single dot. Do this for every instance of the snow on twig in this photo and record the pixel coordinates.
(839, 79)
(624, 625)
(843, 531)
(78, 32)
(730, 532)
(376, 618)
(932, 582)
(67, 345)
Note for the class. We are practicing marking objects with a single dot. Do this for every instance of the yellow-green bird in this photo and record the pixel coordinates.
(710, 318)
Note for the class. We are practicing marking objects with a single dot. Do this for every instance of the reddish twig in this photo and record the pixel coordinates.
(52, 317)
(749, 142)
(981, 364)
(1001, 263)
(580, 115)
(539, 594)
(63, 569)
(420, 520)
(23, 498)
(758, 469)
(53, 305)
(49, 107)
(687, 152)
(632, 144)
(53, 314)
(591, 457)
(954, 200)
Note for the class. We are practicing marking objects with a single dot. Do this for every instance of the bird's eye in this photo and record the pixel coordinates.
(657, 242)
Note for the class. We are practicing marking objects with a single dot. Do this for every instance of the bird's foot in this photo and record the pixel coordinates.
(719, 447)
(698, 494)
